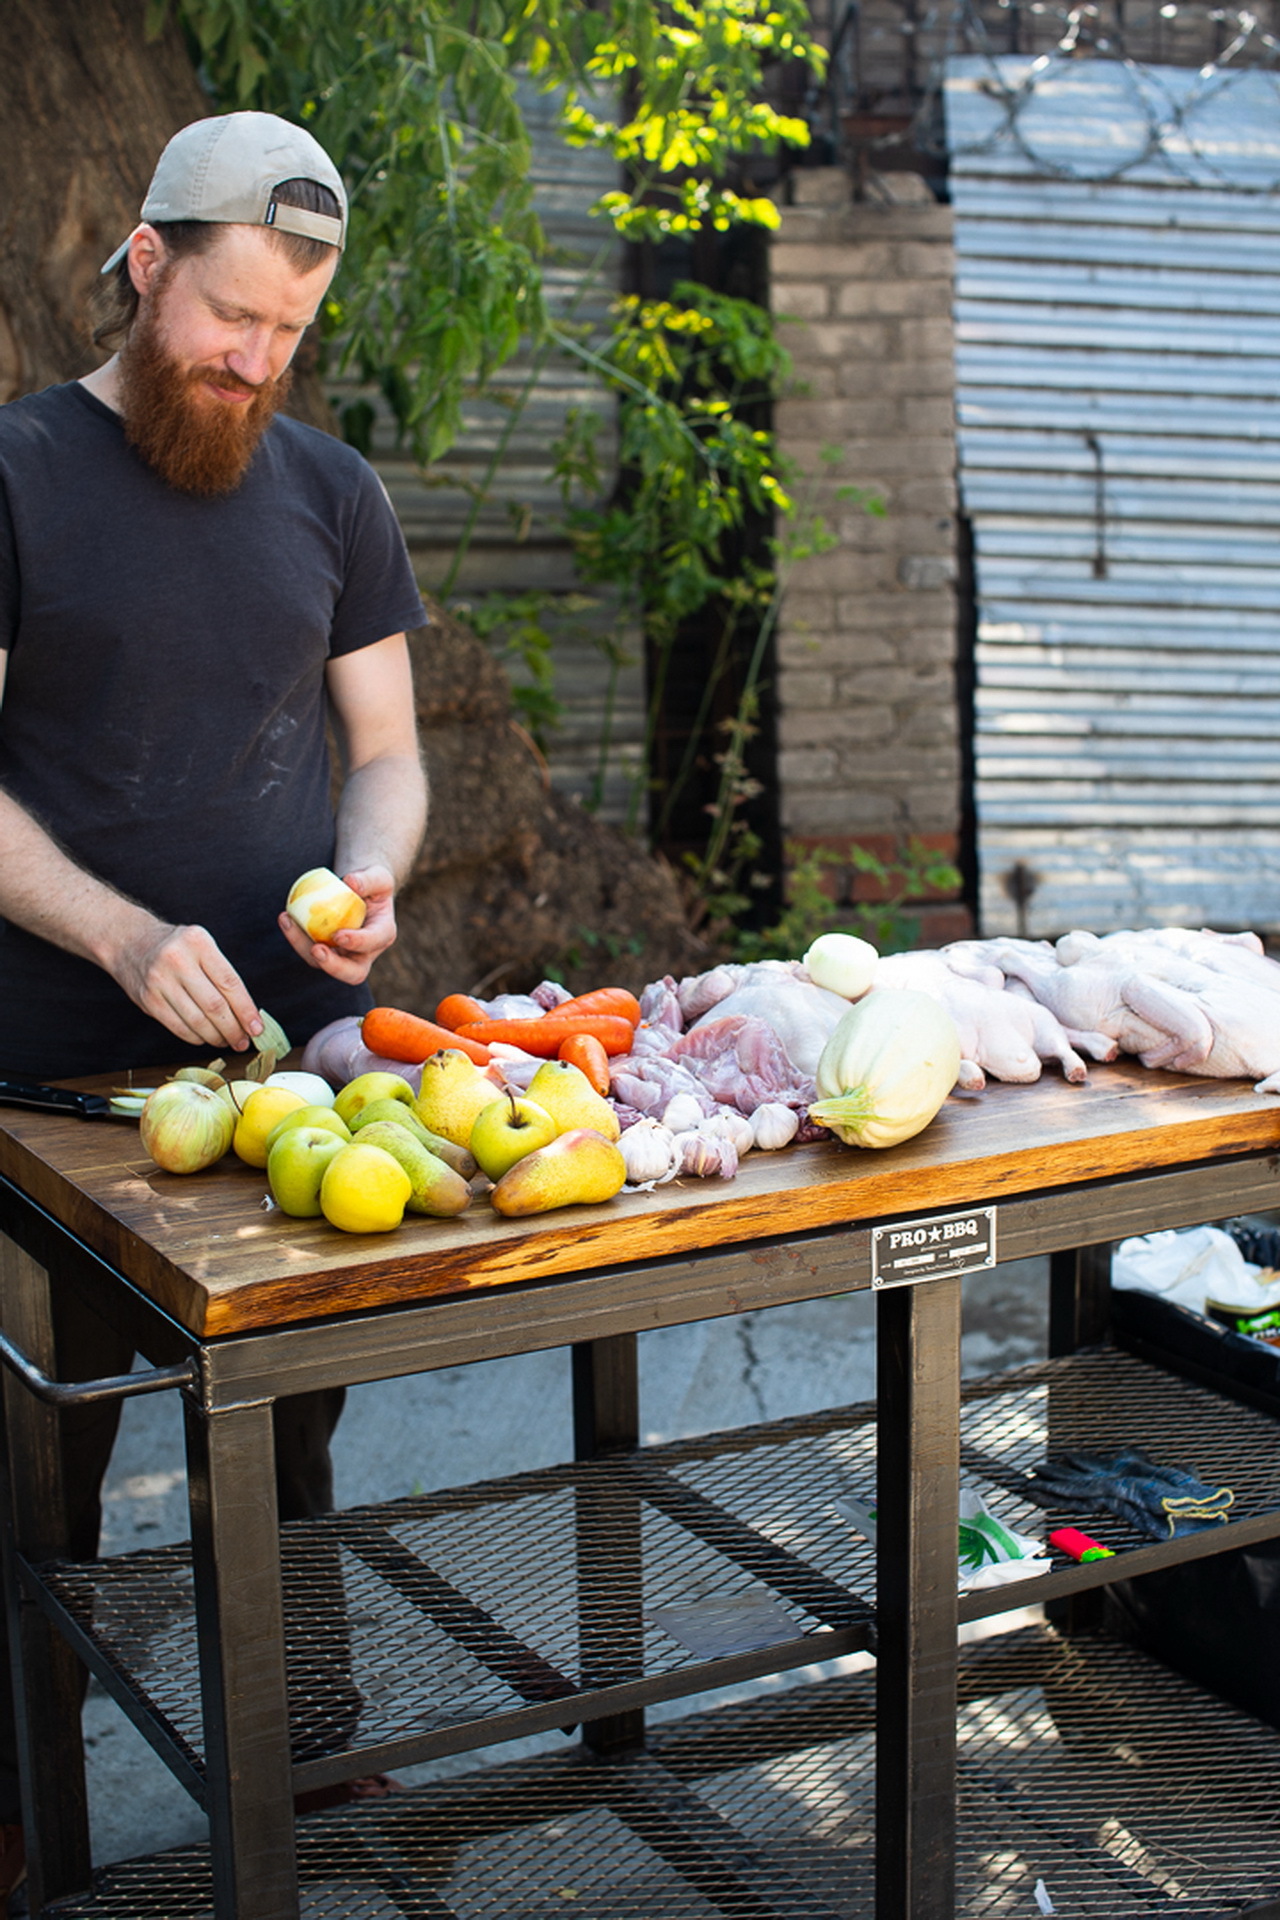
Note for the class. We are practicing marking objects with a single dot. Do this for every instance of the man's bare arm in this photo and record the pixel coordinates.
(175, 974)
(383, 809)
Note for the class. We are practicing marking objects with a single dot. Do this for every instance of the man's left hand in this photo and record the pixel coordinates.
(354, 949)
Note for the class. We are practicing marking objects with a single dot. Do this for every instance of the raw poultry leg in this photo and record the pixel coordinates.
(1007, 1035)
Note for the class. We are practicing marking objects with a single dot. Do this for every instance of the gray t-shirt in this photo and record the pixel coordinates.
(164, 708)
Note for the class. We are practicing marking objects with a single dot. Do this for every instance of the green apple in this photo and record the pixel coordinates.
(296, 1166)
(370, 1086)
(309, 1117)
(507, 1130)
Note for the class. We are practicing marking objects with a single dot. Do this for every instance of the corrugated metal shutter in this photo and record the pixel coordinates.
(1118, 391)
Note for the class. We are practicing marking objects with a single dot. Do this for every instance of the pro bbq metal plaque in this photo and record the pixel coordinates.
(933, 1249)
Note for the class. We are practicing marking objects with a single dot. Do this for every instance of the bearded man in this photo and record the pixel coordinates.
(191, 586)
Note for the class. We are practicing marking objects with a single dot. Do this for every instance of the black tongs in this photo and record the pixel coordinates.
(30, 1093)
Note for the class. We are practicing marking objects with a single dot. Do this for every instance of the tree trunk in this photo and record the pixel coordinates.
(86, 104)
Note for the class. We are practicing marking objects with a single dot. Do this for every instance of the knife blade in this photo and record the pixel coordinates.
(30, 1093)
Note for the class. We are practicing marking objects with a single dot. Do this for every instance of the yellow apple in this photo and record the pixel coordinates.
(257, 1117)
(364, 1190)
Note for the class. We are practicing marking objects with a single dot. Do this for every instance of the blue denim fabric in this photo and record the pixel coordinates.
(1162, 1502)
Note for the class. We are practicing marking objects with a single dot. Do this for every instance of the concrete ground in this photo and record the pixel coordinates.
(471, 1423)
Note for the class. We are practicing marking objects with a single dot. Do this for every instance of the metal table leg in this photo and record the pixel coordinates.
(917, 1520)
(235, 1544)
(606, 1414)
(1079, 1312)
(47, 1680)
(1079, 1297)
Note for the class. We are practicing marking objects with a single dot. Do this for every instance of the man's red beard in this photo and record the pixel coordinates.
(196, 442)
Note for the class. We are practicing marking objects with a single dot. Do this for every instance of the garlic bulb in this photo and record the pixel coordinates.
(774, 1126)
(650, 1154)
(729, 1124)
(703, 1154)
(682, 1111)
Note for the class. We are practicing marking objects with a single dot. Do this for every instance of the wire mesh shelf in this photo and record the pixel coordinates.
(650, 1569)
(1082, 1764)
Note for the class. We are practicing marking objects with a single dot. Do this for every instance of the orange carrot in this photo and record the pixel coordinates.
(456, 1009)
(583, 1050)
(406, 1036)
(544, 1036)
(602, 1000)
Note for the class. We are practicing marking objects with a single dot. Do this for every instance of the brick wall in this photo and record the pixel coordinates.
(869, 728)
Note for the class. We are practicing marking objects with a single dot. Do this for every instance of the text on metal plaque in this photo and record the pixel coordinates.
(933, 1249)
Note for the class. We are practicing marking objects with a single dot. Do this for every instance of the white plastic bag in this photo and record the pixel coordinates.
(1191, 1266)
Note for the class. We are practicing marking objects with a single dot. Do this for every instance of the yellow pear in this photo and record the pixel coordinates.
(401, 1115)
(565, 1092)
(579, 1168)
(453, 1091)
(436, 1188)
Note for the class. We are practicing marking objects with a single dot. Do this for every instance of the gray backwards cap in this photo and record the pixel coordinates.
(227, 169)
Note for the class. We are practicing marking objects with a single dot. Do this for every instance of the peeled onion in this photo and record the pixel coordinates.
(313, 1087)
(185, 1126)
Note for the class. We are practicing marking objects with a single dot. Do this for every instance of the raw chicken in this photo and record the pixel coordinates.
(1210, 1014)
(660, 1005)
(740, 1060)
(698, 993)
(648, 1081)
(1005, 1034)
(801, 1014)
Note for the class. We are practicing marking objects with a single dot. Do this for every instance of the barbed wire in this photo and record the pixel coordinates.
(1221, 49)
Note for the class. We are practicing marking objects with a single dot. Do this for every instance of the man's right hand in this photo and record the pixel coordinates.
(181, 978)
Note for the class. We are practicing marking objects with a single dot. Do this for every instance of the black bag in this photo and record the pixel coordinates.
(1216, 1620)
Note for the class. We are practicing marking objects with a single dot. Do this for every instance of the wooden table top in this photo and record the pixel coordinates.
(204, 1247)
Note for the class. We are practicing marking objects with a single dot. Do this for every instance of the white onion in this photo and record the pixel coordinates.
(313, 1087)
(185, 1126)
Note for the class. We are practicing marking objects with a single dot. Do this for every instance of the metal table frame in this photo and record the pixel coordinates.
(229, 1386)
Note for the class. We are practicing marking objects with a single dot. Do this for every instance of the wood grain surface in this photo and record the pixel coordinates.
(204, 1247)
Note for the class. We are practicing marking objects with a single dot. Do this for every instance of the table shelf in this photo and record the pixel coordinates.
(451, 1620)
(1081, 1763)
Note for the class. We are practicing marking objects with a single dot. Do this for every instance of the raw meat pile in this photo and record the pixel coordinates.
(726, 1060)
(1195, 1001)
(739, 1036)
